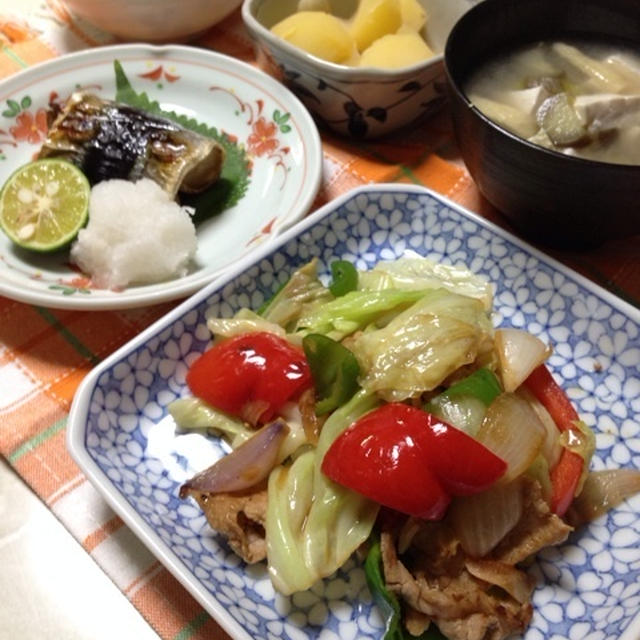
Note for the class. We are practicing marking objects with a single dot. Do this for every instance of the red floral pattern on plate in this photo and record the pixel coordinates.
(29, 127)
(158, 73)
(262, 140)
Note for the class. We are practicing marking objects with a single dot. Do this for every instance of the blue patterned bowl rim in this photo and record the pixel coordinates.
(503, 257)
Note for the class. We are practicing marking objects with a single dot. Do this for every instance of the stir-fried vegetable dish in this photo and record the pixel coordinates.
(382, 414)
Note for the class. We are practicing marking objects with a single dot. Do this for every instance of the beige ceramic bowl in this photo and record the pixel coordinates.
(355, 101)
(153, 20)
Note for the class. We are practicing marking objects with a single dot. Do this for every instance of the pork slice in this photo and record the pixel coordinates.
(479, 626)
(537, 528)
(434, 549)
(463, 606)
(240, 517)
(510, 579)
(415, 621)
(469, 598)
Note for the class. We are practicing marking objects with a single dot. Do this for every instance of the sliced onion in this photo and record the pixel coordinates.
(408, 531)
(552, 445)
(515, 582)
(465, 412)
(310, 421)
(519, 354)
(253, 409)
(602, 491)
(514, 432)
(245, 466)
(297, 437)
(481, 521)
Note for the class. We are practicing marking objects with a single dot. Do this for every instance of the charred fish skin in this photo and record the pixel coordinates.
(108, 140)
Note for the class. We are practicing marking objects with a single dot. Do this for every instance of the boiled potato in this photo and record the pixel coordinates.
(413, 15)
(318, 33)
(383, 33)
(374, 19)
(396, 50)
(314, 5)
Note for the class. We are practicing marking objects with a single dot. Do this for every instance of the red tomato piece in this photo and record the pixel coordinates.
(382, 457)
(551, 395)
(565, 476)
(410, 460)
(564, 480)
(462, 463)
(250, 376)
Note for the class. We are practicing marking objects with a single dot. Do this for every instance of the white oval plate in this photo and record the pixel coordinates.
(266, 120)
(122, 436)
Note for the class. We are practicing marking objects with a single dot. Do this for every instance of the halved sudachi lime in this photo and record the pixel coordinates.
(44, 204)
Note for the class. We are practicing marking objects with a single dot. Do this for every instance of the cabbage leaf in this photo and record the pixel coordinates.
(302, 291)
(422, 273)
(245, 321)
(355, 310)
(313, 525)
(191, 414)
(419, 348)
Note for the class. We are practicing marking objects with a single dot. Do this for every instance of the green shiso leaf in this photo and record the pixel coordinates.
(235, 177)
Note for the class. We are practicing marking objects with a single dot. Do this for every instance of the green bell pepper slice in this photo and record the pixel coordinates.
(334, 370)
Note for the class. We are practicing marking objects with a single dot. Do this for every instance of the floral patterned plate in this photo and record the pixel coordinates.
(271, 176)
(120, 434)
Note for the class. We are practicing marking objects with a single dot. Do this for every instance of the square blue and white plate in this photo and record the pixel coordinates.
(120, 434)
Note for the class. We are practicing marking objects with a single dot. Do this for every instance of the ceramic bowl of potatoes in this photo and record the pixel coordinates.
(363, 68)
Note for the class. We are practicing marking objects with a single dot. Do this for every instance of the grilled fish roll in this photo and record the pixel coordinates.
(109, 140)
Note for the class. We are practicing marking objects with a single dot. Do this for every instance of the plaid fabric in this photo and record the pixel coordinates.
(44, 354)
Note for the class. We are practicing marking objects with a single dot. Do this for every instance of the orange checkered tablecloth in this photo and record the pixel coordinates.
(45, 353)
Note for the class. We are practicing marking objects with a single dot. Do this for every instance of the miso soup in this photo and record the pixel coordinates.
(577, 98)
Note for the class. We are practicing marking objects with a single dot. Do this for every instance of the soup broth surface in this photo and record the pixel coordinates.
(578, 98)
